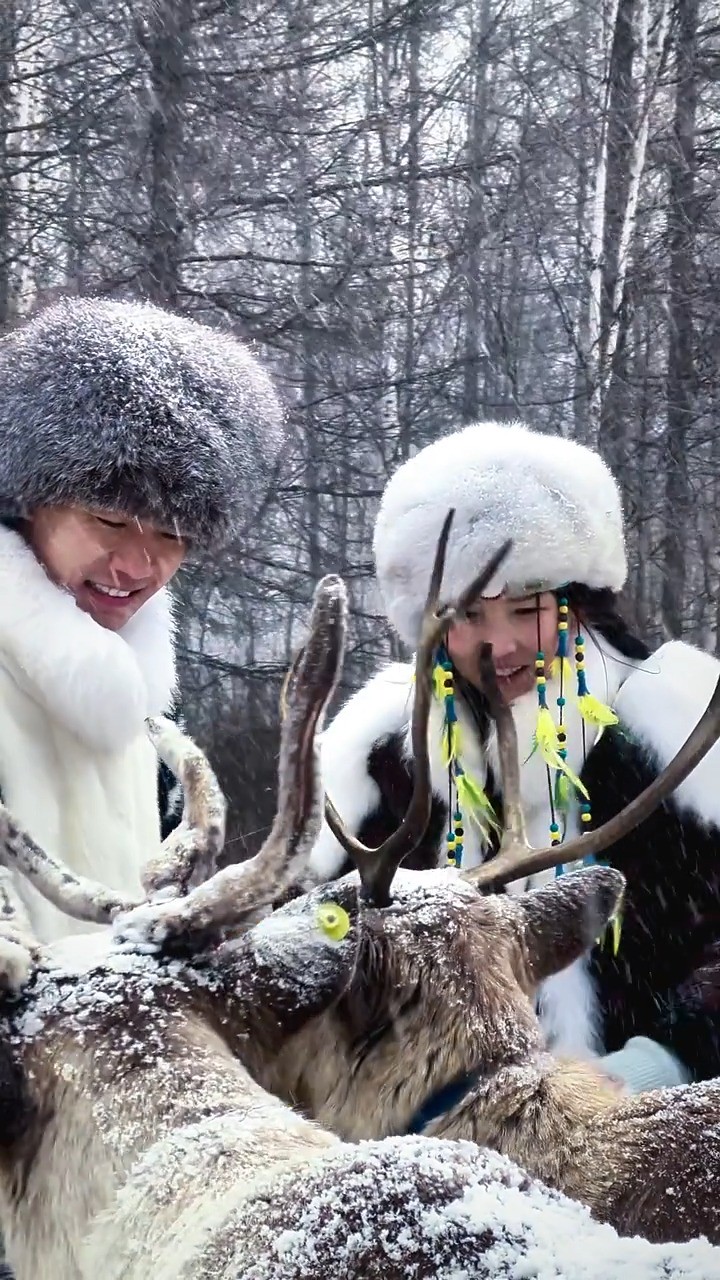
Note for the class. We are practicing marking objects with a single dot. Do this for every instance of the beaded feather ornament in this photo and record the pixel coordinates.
(466, 796)
(467, 799)
(593, 712)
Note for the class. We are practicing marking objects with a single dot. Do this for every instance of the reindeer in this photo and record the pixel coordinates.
(436, 1030)
(134, 1142)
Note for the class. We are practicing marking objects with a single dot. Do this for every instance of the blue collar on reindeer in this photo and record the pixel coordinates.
(444, 1100)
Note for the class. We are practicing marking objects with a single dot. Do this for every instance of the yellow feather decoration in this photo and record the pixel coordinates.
(616, 931)
(612, 933)
(475, 804)
(562, 665)
(450, 743)
(546, 736)
(595, 712)
(546, 741)
(438, 675)
(562, 792)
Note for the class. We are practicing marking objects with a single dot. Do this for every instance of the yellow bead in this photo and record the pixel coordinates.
(586, 817)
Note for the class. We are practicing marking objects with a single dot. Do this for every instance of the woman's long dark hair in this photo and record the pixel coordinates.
(599, 609)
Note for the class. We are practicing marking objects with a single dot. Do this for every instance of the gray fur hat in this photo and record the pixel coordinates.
(124, 406)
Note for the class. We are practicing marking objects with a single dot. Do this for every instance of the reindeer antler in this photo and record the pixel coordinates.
(77, 896)
(377, 866)
(189, 854)
(516, 857)
(238, 892)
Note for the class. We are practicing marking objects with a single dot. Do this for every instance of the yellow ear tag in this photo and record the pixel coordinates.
(333, 920)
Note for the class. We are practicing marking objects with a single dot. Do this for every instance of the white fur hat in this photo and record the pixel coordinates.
(556, 499)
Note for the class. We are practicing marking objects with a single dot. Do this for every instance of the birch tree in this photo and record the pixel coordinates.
(682, 287)
(634, 60)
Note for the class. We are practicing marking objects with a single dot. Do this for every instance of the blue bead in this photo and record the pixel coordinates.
(561, 702)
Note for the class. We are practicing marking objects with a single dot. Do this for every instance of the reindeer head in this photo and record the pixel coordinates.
(442, 995)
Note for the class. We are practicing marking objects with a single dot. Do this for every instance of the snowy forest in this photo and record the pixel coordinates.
(421, 213)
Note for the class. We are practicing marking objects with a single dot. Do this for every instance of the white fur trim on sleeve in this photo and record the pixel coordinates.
(661, 703)
(380, 708)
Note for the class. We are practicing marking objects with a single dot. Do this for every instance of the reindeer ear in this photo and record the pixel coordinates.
(566, 917)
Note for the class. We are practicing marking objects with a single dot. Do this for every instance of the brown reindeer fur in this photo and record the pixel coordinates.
(135, 1146)
(444, 986)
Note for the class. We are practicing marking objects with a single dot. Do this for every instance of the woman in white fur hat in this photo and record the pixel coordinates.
(604, 717)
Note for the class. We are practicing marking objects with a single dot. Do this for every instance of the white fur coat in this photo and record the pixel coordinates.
(76, 768)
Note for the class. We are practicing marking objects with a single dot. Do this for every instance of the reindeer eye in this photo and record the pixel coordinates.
(333, 920)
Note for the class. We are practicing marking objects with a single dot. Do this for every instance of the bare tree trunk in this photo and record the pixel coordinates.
(74, 227)
(165, 41)
(405, 406)
(8, 37)
(28, 132)
(623, 96)
(681, 384)
(474, 348)
(633, 71)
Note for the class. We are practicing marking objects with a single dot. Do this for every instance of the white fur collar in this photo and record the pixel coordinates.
(100, 685)
(660, 706)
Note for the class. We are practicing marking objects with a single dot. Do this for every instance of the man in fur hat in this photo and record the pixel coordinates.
(597, 716)
(129, 438)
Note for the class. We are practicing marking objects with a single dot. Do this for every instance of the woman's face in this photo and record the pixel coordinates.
(510, 625)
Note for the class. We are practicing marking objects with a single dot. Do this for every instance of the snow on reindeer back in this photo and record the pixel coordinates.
(412, 1208)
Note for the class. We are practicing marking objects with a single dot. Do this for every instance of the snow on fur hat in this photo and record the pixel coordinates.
(555, 498)
(125, 406)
